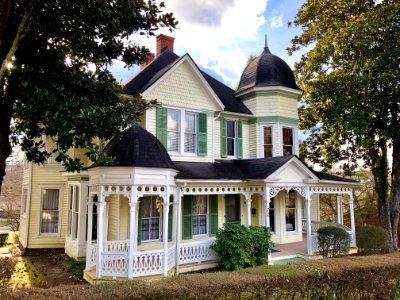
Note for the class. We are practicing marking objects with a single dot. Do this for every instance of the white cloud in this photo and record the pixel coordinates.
(211, 32)
(276, 21)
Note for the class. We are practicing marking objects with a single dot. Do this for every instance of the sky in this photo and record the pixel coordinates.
(220, 35)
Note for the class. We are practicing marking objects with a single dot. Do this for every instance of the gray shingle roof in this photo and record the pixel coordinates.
(267, 70)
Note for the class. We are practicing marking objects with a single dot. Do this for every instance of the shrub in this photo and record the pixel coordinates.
(333, 241)
(371, 240)
(238, 246)
(3, 239)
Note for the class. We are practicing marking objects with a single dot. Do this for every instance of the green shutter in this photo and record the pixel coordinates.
(187, 217)
(170, 212)
(202, 134)
(139, 236)
(223, 137)
(161, 123)
(239, 139)
(213, 215)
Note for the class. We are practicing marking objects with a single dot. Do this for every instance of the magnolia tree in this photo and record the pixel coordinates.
(351, 101)
(53, 76)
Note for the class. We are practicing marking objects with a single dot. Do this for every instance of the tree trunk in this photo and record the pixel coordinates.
(381, 179)
(395, 192)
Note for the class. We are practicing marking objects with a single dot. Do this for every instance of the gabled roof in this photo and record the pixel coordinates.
(151, 73)
(165, 62)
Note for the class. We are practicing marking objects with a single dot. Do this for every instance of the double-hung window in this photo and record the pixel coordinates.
(50, 211)
(190, 139)
(73, 211)
(267, 142)
(231, 137)
(290, 212)
(199, 215)
(150, 218)
(173, 126)
(287, 134)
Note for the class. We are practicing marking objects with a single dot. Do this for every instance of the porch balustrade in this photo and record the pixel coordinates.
(115, 258)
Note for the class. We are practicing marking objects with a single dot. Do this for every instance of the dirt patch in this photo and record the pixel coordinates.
(53, 272)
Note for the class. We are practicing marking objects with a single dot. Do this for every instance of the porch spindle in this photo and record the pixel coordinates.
(339, 209)
(308, 216)
(165, 233)
(352, 223)
(248, 209)
(89, 235)
(100, 238)
(132, 239)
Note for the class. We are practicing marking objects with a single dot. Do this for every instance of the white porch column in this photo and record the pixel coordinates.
(307, 207)
(177, 219)
(89, 235)
(132, 235)
(100, 232)
(267, 201)
(248, 208)
(165, 232)
(352, 222)
(339, 209)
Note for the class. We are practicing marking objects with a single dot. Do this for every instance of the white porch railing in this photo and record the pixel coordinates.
(116, 246)
(148, 263)
(115, 258)
(196, 252)
(93, 255)
(115, 264)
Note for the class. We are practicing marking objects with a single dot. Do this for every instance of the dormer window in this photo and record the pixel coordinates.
(267, 142)
(287, 134)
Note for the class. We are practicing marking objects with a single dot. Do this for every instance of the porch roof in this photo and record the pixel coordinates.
(242, 169)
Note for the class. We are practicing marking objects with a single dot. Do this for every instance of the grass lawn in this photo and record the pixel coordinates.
(352, 277)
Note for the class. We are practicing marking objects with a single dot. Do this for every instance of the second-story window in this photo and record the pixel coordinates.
(173, 124)
(231, 137)
(267, 141)
(287, 134)
(190, 132)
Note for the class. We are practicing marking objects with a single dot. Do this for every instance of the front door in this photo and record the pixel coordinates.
(232, 209)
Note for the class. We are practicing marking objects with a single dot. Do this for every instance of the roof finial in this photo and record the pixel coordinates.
(266, 41)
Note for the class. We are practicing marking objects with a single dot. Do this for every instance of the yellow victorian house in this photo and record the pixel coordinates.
(206, 156)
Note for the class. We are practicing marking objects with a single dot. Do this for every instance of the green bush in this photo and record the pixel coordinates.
(3, 239)
(238, 246)
(333, 241)
(371, 240)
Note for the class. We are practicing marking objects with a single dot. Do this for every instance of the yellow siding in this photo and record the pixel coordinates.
(183, 88)
(315, 207)
(124, 218)
(273, 104)
(46, 177)
(113, 218)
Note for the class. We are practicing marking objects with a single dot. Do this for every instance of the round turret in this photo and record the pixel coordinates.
(267, 70)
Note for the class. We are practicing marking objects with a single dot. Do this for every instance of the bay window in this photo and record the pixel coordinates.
(267, 142)
(149, 212)
(287, 134)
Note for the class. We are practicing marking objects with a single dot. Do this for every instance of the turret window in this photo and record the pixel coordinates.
(287, 134)
(267, 141)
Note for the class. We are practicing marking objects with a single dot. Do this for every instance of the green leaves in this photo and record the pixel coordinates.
(59, 85)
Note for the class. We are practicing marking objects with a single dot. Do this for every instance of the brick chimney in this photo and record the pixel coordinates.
(164, 41)
(148, 61)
